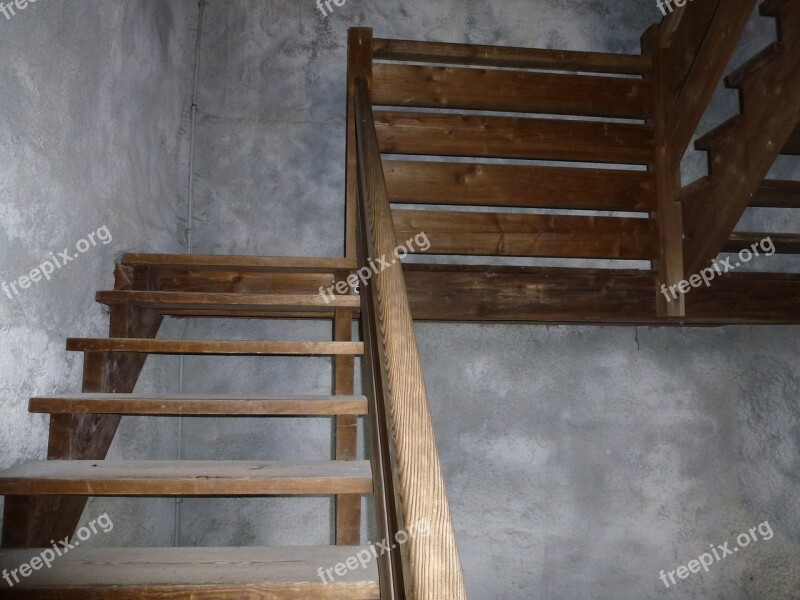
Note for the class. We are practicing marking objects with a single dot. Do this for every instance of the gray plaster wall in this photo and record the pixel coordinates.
(580, 461)
(93, 98)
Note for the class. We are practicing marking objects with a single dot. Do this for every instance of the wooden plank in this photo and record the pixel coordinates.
(738, 76)
(698, 84)
(792, 147)
(348, 507)
(510, 91)
(517, 58)
(775, 193)
(359, 64)
(785, 243)
(513, 137)
(274, 264)
(165, 301)
(186, 478)
(741, 160)
(214, 347)
(200, 405)
(233, 281)
(418, 182)
(502, 234)
(288, 573)
(429, 566)
(478, 294)
(667, 171)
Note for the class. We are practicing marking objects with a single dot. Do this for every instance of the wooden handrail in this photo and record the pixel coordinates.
(430, 564)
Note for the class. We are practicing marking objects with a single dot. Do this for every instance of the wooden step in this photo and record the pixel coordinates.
(710, 139)
(186, 478)
(179, 302)
(792, 147)
(772, 8)
(754, 65)
(214, 347)
(200, 405)
(199, 573)
(785, 243)
(775, 193)
(267, 264)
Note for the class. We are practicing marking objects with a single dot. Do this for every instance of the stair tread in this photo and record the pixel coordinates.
(241, 263)
(204, 404)
(792, 147)
(772, 8)
(227, 301)
(708, 140)
(275, 572)
(186, 478)
(785, 243)
(214, 347)
(752, 66)
(777, 193)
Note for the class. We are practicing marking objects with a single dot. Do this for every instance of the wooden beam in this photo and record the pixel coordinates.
(520, 186)
(440, 134)
(507, 57)
(213, 347)
(513, 234)
(510, 91)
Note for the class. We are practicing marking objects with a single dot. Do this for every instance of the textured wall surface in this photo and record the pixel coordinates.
(580, 461)
(92, 96)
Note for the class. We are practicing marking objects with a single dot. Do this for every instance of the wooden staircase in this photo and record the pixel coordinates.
(44, 499)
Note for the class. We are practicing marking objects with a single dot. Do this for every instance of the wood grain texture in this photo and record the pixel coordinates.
(234, 281)
(214, 347)
(276, 264)
(348, 508)
(199, 405)
(784, 243)
(510, 91)
(186, 478)
(775, 193)
(441, 134)
(424, 182)
(199, 573)
(434, 563)
(512, 234)
(501, 56)
(166, 301)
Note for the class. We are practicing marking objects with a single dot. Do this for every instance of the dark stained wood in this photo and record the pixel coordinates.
(737, 77)
(348, 507)
(214, 347)
(518, 58)
(166, 301)
(359, 64)
(785, 243)
(793, 145)
(513, 137)
(775, 193)
(667, 171)
(200, 405)
(419, 182)
(740, 159)
(186, 478)
(510, 91)
(232, 280)
(503, 234)
(710, 50)
(274, 264)
(289, 573)
(599, 296)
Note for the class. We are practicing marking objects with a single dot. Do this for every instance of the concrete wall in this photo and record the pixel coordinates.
(580, 461)
(92, 135)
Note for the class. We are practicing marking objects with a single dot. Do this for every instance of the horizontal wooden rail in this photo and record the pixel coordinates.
(511, 234)
(521, 186)
(513, 137)
(510, 91)
(519, 58)
(432, 565)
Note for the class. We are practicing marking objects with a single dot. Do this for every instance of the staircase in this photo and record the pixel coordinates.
(44, 499)
(742, 150)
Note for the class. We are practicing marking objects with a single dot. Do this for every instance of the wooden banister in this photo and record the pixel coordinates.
(429, 565)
